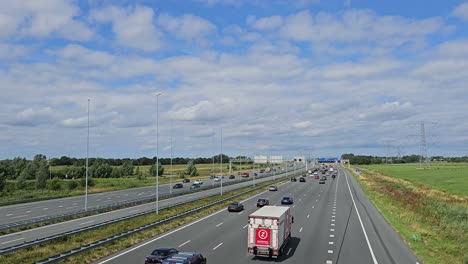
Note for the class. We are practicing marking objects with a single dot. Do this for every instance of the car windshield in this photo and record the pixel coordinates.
(160, 253)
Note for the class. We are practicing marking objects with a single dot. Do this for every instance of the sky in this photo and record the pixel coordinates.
(245, 77)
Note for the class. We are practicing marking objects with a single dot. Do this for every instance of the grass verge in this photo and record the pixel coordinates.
(66, 243)
(439, 219)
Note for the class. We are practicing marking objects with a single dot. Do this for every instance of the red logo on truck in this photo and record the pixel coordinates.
(262, 236)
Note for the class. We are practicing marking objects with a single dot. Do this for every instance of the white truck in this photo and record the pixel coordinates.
(269, 231)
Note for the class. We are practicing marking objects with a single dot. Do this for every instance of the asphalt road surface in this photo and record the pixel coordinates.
(334, 223)
(20, 212)
(62, 227)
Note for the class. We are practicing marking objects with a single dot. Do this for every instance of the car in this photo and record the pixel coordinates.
(322, 181)
(287, 200)
(185, 180)
(302, 179)
(293, 179)
(199, 182)
(186, 258)
(160, 254)
(217, 179)
(195, 186)
(232, 177)
(273, 188)
(212, 177)
(235, 207)
(262, 202)
(333, 176)
(178, 186)
(245, 174)
(255, 174)
(316, 177)
(262, 171)
(324, 177)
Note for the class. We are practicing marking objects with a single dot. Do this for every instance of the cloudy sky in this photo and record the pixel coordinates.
(277, 77)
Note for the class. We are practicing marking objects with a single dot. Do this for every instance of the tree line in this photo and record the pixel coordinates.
(367, 160)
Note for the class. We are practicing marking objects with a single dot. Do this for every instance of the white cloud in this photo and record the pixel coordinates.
(187, 27)
(12, 51)
(461, 11)
(358, 70)
(75, 122)
(84, 55)
(303, 124)
(203, 111)
(458, 48)
(357, 26)
(30, 117)
(268, 23)
(133, 27)
(42, 19)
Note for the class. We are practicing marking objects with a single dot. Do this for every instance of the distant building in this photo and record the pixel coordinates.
(276, 159)
(260, 159)
(299, 159)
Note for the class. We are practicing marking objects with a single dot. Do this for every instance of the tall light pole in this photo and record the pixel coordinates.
(170, 177)
(221, 161)
(87, 154)
(157, 152)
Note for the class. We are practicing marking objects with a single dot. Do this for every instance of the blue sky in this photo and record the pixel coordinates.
(279, 77)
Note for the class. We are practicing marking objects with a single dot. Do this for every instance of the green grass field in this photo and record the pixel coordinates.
(448, 177)
(432, 203)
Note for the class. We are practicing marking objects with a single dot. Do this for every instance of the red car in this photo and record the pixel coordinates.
(316, 177)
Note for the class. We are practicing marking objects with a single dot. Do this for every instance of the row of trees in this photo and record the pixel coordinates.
(366, 160)
(68, 161)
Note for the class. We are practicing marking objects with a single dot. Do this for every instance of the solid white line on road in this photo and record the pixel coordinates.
(245, 226)
(218, 246)
(300, 230)
(219, 224)
(188, 241)
(330, 243)
(19, 216)
(7, 242)
(330, 251)
(86, 222)
(362, 225)
(289, 251)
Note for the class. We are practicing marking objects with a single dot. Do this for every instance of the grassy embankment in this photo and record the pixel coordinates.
(110, 184)
(37, 253)
(432, 203)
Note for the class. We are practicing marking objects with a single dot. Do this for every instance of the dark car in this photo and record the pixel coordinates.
(322, 181)
(333, 176)
(232, 177)
(287, 200)
(302, 179)
(160, 254)
(195, 186)
(293, 179)
(235, 207)
(186, 180)
(255, 174)
(262, 170)
(324, 177)
(178, 186)
(262, 202)
(186, 258)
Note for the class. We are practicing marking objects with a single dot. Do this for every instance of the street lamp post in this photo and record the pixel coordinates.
(170, 177)
(221, 161)
(157, 152)
(87, 154)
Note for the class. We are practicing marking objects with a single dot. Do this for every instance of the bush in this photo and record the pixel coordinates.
(21, 182)
(72, 185)
(55, 184)
(90, 182)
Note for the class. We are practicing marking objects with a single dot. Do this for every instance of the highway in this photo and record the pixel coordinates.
(20, 212)
(66, 226)
(334, 223)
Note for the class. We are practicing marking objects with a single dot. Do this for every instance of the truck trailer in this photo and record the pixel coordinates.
(269, 231)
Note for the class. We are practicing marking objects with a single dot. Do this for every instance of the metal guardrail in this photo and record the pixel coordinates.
(110, 206)
(101, 242)
(76, 231)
